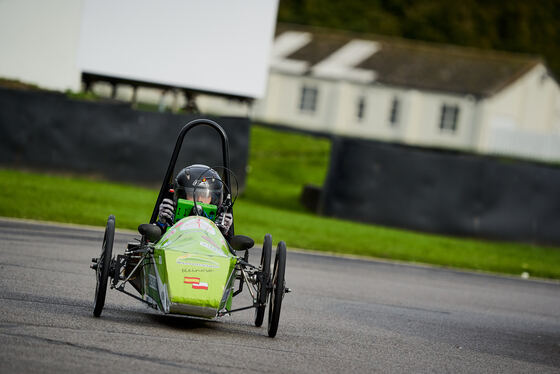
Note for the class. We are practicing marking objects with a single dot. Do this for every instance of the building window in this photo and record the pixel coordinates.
(394, 113)
(308, 101)
(449, 117)
(361, 108)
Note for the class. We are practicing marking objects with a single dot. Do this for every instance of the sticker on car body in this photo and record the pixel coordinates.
(196, 283)
(199, 261)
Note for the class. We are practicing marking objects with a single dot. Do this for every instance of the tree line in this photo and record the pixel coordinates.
(530, 27)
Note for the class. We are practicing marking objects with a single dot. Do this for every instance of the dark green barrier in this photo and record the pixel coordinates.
(443, 192)
(47, 131)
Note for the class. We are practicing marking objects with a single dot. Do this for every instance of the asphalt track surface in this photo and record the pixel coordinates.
(344, 315)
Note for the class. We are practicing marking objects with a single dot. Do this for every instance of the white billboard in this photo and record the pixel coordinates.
(218, 46)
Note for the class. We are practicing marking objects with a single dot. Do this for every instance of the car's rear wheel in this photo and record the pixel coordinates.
(278, 289)
(262, 285)
(103, 264)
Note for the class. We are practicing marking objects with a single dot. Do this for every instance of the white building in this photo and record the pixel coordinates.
(413, 93)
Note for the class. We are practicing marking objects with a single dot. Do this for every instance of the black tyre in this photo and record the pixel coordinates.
(262, 286)
(278, 289)
(103, 265)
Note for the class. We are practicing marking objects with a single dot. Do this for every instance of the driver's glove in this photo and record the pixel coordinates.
(166, 211)
(224, 222)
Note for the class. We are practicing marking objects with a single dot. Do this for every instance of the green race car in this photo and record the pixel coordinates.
(191, 268)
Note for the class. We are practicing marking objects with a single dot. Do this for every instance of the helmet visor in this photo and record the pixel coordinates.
(203, 192)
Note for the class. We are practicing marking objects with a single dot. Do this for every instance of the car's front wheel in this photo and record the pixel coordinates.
(102, 265)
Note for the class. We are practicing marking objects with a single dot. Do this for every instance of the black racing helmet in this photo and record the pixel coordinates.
(200, 182)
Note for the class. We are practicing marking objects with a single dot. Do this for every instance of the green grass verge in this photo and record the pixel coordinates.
(75, 200)
(82, 201)
(327, 234)
(281, 163)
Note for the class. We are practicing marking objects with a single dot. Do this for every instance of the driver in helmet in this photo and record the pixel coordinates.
(201, 184)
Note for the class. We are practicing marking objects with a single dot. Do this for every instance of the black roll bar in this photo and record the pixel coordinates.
(167, 180)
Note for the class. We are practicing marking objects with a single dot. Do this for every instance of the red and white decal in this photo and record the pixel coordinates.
(200, 286)
(196, 283)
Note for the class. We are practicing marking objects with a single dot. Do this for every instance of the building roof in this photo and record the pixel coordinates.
(398, 62)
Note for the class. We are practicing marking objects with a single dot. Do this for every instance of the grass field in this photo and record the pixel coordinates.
(270, 204)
